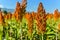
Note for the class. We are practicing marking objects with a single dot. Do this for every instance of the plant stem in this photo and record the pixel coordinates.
(30, 38)
(42, 36)
(26, 37)
(7, 36)
(1, 32)
(1, 36)
(56, 35)
(21, 30)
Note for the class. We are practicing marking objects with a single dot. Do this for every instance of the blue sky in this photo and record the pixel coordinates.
(32, 5)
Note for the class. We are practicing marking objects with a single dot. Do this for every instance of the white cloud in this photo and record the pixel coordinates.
(1, 6)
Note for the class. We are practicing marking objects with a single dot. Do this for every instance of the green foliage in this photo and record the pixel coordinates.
(52, 28)
(1, 31)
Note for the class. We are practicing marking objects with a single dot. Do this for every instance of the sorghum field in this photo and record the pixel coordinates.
(22, 25)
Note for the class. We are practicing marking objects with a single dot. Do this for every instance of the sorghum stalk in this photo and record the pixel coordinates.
(21, 30)
(56, 36)
(42, 36)
(7, 34)
(59, 26)
(1, 32)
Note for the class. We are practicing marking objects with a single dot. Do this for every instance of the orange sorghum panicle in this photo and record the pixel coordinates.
(56, 14)
(30, 23)
(41, 19)
(1, 18)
